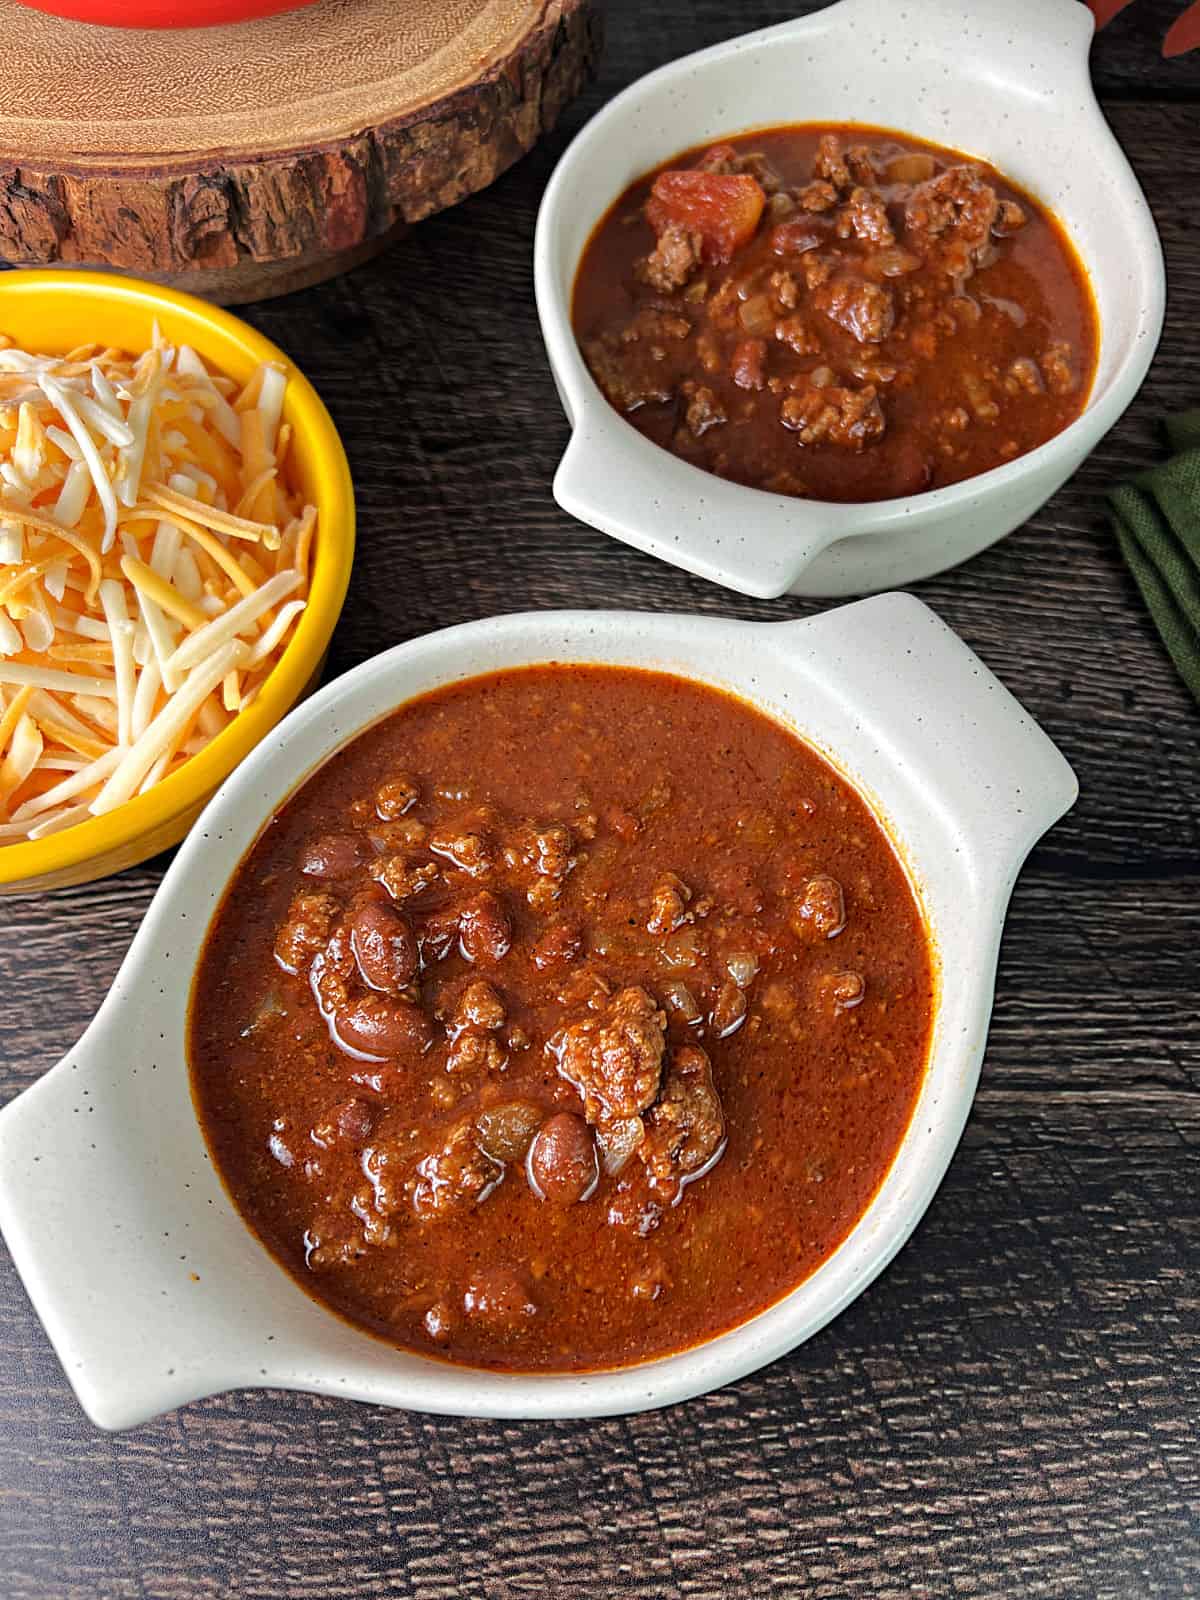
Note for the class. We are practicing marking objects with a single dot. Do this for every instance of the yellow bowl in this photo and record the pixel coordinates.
(54, 312)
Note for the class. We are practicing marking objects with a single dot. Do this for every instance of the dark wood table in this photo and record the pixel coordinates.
(1011, 1410)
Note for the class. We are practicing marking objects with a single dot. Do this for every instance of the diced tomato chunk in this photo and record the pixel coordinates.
(723, 208)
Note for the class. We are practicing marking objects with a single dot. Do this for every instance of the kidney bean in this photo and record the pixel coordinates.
(377, 1028)
(484, 929)
(334, 855)
(384, 946)
(562, 1165)
(437, 933)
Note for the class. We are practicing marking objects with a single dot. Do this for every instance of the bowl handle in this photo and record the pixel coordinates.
(954, 733)
(664, 511)
(100, 1201)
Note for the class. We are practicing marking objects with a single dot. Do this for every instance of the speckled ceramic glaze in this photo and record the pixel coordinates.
(1006, 80)
(149, 1284)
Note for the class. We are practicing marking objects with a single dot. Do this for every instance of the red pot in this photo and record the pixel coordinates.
(164, 13)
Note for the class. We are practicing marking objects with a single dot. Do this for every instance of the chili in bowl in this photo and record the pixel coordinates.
(831, 335)
(540, 1068)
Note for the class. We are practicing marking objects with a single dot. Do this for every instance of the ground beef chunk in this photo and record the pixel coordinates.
(333, 1240)
(863, 309)
(719, 158)
(333, 969)
(479, 1006)
(544, 851)
(656, 326)
(395, 797)
(474, 1053)
(1059, 368)
(979, 398)
(305, 930)
(818, 196)
(560, 944)
(785, 290)
(865, 216)
(469, 852)
(672, 261)
(450, 1179)
(628, 375)
(704, 410)
(496, 1296)
(668, 904)
(797, 239)
(1024, 374)
(709, 352)
(817, 270)
(861, 164)
(402, 877)
(723, 307)
(394, 838)
(548, 849)
(949, 220)
(748, 364)
(848, 418)
(799, 338)
(755, 164)
(830, 164)
(1009, 217)
(615, 1060)
(725, 159)
(820, 909)
(685, 1128)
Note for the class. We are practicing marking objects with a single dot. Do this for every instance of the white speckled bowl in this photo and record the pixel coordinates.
(1006, 80)
(151, 1287)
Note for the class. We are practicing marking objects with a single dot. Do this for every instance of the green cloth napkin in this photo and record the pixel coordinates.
(1157, 523)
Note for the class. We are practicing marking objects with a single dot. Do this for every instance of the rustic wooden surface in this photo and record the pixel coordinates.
(1012, 1409)
(252, 160)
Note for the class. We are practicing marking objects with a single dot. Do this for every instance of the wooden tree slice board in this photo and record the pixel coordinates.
(247, 161)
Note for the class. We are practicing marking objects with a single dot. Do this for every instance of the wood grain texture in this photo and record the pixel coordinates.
(259, 158)
(1011, 1410)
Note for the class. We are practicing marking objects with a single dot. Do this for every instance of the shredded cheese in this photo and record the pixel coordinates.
(137, 616)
